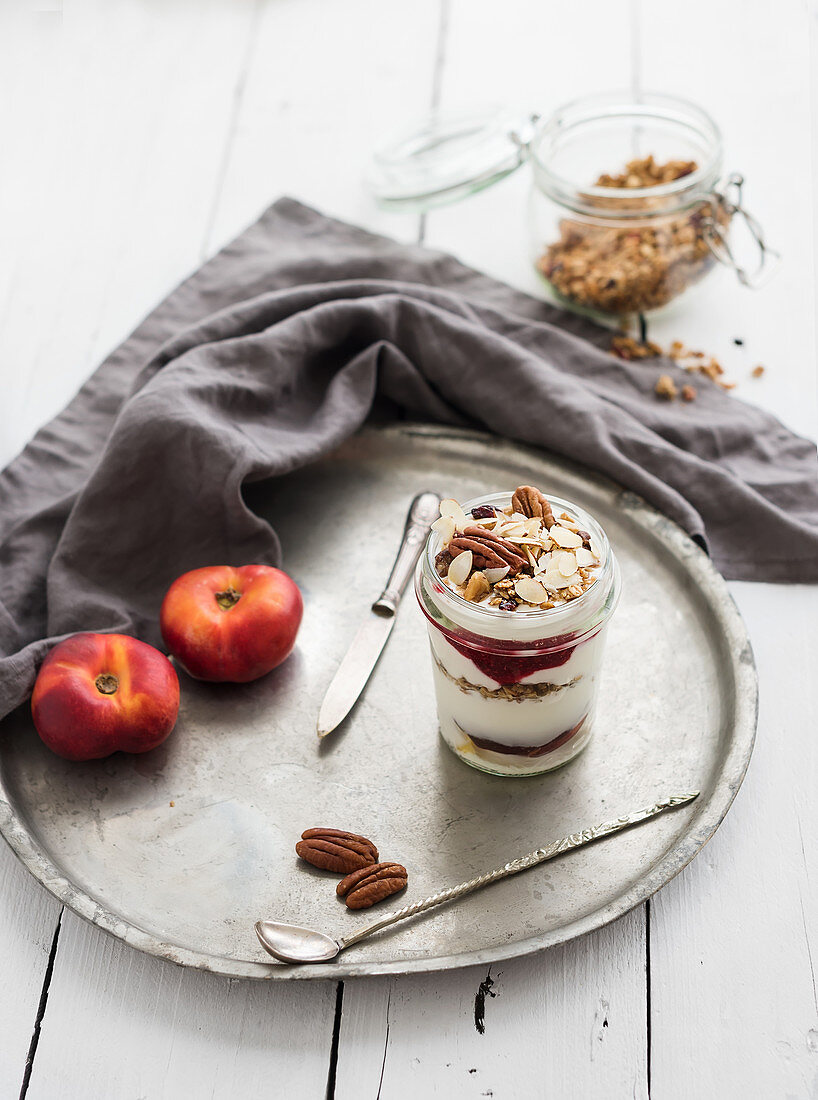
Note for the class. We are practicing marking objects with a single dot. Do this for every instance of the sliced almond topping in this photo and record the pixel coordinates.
(566, 563)
(523, 540)
(445, 527)
(530, 590)
(460, 568)
(552, 578)
(495, 575)
(559, 567)
(453, 509)
(514, 531)
(556, 579)
(545, 561)
(563, 537)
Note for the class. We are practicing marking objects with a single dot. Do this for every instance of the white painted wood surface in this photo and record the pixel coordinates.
(138, 137)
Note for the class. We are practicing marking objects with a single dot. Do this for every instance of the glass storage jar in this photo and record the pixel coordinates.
(629, 206)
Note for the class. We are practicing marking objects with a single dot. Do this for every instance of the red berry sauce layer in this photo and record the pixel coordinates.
(527, 750)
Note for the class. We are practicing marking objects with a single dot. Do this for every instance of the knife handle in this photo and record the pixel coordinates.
(425, 509)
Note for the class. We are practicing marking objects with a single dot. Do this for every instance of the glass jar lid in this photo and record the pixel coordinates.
(455, 154)
(449, 156)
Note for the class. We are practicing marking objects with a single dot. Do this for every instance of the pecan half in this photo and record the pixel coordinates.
(372, 884)
(508, 551)
(335, 850)
(531, 502)
(484, 556)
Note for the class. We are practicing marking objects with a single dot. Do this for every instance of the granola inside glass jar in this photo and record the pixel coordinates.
(626, 209)
(517, 605)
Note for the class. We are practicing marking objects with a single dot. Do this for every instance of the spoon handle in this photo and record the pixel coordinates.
(574, 840)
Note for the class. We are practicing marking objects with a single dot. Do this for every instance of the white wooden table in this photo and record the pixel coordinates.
(139, 136)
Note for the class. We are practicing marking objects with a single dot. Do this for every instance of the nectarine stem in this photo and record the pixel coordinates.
(106, 683)
(227, 599)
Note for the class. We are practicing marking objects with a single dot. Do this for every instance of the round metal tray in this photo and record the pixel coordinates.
(179, 851)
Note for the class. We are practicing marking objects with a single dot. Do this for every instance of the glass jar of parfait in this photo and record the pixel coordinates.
(517, 590)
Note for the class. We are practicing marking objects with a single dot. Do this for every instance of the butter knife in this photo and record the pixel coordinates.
(362, 656)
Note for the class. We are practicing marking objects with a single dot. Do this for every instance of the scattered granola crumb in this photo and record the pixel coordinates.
(688, 393)
(758, 371)
(693, 361)
(666, 387)
(171, 804)
(625, 347)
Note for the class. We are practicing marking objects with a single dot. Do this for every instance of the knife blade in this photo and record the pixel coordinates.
(362, 656)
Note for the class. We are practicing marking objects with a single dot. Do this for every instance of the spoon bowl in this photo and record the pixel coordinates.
(293, 944)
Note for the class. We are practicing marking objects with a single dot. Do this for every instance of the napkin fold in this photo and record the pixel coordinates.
(276, 351)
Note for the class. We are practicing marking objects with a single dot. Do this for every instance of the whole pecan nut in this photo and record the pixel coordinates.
(531, 502)
(496, 550)
(369, 885)
(484, 556)
(336, 850)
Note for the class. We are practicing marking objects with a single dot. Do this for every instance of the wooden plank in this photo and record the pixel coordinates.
(566, 1022)
(545, 1031)
(211, 127)
(531, 58)
(758, 92)
(120, 115)
(119, 1023)
(734, 939)
(327, 84)
(28, 919)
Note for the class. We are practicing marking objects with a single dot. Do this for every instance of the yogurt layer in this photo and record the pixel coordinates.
(523, 722)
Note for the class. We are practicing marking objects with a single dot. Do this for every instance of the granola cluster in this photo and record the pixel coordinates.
(520, 557)
(632, 268)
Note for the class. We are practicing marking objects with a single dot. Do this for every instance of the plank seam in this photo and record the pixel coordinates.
(332, 1071)
(437, 82)
(232, 126)
(385, 1044)
(41, 1007)
(649, 1050)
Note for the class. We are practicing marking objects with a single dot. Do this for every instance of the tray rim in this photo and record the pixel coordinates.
(706, 817)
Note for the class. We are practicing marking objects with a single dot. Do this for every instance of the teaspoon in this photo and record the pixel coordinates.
(293, 944)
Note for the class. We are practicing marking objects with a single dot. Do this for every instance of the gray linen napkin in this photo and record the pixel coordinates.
(275, 351)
